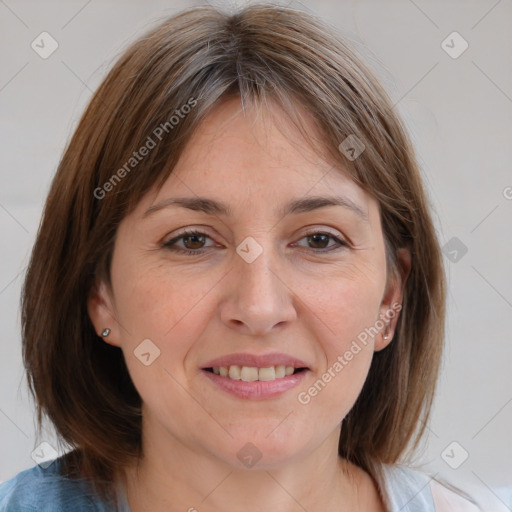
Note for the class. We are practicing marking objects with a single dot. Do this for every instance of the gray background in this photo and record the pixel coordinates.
(459, 112)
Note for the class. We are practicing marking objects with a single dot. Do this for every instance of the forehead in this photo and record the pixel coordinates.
(254, 156)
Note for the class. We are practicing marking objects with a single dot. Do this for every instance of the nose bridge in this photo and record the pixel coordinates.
(257, 278)
(260, 298)
(257, 286)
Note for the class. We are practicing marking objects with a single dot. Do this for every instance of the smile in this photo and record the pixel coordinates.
(253, 373)
(255, 376)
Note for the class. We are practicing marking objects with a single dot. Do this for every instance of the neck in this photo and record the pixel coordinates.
(183, 478)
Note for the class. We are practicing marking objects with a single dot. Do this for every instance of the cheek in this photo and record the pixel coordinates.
(346, 321)
(160, 305)
(172, 310)
(347, 355)
(347, 305)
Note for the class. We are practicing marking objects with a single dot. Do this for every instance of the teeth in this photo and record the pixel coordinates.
(267, 373)
(234, 372)
(251, 373)
(280, 371)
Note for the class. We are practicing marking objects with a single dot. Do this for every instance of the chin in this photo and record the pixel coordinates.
(262, 451)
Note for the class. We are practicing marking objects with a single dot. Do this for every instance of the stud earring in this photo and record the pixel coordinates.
(105, 332)
(387, 335)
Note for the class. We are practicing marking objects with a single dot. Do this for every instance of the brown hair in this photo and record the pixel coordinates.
(199, 58)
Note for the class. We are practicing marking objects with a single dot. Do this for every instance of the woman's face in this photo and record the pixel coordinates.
(265, 284)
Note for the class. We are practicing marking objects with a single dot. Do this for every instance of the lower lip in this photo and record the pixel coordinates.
(257, 390)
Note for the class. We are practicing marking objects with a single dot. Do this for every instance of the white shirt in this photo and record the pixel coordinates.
(414, 491)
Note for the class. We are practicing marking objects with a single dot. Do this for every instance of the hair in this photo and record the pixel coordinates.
(198, 58)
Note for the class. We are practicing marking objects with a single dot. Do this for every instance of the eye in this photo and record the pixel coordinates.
(320, 241)
(193, 241)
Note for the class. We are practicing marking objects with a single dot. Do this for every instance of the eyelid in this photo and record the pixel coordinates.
(203, 230)
(339, 240)
(312, 230)
(186, 232)
(193, 229)
(335, 233)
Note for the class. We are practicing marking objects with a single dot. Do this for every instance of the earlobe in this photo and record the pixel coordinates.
(101, 313)
(385, 337)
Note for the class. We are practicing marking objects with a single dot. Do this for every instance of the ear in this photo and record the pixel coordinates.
(100, 307)
(392, 299)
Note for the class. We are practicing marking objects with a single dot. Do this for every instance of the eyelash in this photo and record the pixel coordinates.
(190, 252)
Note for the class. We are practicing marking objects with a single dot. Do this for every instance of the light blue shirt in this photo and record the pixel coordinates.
(45, 490)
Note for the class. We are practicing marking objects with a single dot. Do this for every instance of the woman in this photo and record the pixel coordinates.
(236, 296)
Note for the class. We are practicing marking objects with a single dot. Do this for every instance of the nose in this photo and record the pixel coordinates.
(259, 297)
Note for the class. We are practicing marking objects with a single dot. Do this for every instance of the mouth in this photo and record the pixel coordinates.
(253, 373)
(255, 377)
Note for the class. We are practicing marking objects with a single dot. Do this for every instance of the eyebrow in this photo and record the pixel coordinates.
(296, 206)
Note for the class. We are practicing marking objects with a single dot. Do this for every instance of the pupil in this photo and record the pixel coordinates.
(317, 236)
(196, 237)
(317, 239)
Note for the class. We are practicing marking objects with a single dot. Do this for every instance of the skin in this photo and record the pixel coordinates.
(293, 299)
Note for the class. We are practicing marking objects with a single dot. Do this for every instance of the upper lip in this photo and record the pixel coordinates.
(253, 360)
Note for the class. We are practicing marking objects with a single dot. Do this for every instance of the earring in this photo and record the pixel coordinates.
(386, 336)
(105, 332)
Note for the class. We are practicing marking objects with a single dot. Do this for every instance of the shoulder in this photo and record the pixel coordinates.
(407, 490)
(410, 490)
(45, 490)
(450, 500)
